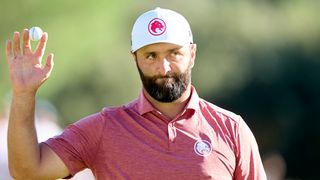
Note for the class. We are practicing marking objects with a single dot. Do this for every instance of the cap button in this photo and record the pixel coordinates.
(157, 8)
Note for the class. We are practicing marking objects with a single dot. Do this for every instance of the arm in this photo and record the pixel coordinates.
(249, 164)
(28, 159)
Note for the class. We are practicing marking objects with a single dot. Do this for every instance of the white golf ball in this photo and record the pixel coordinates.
(35, 33)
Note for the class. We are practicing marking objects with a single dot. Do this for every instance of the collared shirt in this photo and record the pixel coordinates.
(135, 141)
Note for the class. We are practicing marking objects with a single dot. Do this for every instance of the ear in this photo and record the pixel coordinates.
(193, 51)
(134, 55)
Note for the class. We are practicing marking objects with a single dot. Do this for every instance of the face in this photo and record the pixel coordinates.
(165, 69)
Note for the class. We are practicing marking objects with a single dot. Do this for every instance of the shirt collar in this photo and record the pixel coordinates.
(144, 105)
(193, 101)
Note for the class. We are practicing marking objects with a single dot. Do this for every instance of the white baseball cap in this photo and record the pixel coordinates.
(160, 25)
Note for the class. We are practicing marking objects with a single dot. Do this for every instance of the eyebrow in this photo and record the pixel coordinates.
(174, 49)
(169, 50)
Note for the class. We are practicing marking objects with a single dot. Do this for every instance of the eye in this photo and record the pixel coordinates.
(151, 56)
(176, 53)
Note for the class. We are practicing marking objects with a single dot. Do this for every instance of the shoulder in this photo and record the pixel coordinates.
(99, 118)
(105, 115)
(119, 111)
(90, 120)
(108, 113)
(219, 112)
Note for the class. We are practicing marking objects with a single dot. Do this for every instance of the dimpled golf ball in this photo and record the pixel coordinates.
(35, 33)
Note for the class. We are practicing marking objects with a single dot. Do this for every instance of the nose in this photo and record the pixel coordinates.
(164, 67)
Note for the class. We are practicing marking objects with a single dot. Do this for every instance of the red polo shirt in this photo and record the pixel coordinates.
(135, 141)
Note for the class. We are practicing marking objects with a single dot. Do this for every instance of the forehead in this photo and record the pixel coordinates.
(160, 47)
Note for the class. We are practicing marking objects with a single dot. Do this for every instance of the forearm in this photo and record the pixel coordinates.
(27, 159)
(23, 149)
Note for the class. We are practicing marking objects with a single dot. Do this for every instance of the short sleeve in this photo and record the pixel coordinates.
(249, 164)
(78, 143)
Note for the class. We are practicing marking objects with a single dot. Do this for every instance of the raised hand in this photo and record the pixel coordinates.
(26, 71)
(28, 159)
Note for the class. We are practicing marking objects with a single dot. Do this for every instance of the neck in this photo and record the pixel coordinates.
(172, 109)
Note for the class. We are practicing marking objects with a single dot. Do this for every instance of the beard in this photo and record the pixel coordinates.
(167, 88)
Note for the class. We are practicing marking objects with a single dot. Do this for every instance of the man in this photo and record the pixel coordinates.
(168, 132)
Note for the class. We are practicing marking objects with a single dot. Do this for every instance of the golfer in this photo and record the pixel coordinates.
(167, 132)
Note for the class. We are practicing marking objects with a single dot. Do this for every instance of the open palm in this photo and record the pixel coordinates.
(26, 71)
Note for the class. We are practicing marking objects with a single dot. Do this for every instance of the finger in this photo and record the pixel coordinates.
(49, 64)
(9, 52)
(41, 45)
(26, 47)
(16, 43)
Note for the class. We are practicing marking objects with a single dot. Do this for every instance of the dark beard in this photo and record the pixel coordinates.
(169, 89)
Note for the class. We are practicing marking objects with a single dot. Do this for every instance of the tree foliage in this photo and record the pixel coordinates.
(257, 58)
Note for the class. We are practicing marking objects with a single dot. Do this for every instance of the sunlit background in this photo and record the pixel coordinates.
(259, 59)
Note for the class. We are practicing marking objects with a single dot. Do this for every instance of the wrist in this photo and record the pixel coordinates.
(23, 95)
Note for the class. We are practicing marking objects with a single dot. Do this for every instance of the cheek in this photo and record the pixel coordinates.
(184, 65)
(144, 68)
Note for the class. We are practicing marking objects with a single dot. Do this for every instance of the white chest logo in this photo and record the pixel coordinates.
(202, 148)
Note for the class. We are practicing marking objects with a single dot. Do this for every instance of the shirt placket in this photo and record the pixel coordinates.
(172, 130)
(172, 133)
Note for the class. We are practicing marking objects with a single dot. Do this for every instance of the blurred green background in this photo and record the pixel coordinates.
(259, 59)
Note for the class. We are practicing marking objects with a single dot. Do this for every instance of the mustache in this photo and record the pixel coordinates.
(164, 76)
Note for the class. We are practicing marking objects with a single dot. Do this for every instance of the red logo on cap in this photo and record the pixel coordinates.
(157, 27)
